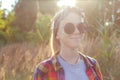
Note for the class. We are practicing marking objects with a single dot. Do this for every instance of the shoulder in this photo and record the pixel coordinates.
(92, 60)
(44, 65)
(41, 69)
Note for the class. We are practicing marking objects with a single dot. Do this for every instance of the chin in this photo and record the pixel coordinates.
(75, 47)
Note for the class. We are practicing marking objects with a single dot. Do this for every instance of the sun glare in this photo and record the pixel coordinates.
(71, 3)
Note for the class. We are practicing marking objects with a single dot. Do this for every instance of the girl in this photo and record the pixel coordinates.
(67, 63)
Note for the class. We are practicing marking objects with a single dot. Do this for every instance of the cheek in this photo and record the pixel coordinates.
(62, 37)
(60, 33)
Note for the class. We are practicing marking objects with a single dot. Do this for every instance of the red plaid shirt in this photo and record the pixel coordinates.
(52, 70)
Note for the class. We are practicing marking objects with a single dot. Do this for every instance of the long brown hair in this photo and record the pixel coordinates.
(55, 44)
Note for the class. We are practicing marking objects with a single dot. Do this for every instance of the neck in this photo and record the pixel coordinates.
(69, 55)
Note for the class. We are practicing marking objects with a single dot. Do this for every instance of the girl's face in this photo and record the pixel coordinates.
(71, 31)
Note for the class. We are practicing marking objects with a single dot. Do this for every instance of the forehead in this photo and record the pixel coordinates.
(73, 18)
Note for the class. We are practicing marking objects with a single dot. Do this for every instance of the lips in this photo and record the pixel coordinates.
(75, 37)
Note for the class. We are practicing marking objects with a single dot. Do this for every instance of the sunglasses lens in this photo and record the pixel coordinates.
(69, 28)
(81, 27)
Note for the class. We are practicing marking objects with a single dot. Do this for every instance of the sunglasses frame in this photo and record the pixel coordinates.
(80, 26)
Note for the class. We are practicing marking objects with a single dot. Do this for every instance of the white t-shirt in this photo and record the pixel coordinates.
(74, 72)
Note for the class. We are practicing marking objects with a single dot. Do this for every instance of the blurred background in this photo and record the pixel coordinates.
(25, 28)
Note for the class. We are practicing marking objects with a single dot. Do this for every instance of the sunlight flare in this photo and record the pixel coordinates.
(71, 3)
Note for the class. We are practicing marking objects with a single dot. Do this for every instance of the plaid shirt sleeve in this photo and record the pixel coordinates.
(38, 74)
(98, 71)
(45, 71)
(94, 72)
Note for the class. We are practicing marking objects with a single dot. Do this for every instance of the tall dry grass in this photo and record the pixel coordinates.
(18, 61)
(105, 47)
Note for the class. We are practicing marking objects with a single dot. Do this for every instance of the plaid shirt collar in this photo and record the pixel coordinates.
(93, 74)
(57, 65)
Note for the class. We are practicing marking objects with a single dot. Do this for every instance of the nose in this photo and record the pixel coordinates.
(76, 31)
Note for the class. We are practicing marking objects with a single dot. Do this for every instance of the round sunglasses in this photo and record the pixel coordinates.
(69, 28)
